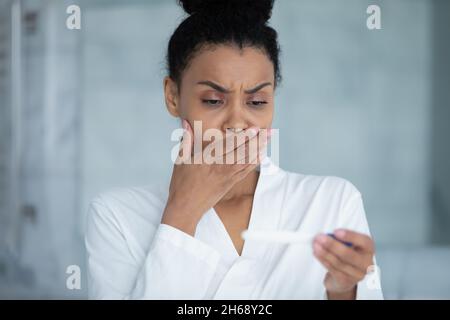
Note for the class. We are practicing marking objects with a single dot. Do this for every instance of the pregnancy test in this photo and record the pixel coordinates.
(284, 237)
(277, 236)
(348, 244)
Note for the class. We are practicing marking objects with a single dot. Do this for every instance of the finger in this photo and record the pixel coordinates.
(262, 152)
(359, 240)
(266, 136)
(244, 154)
(243, 171)
(252, 150)
(325, 256)
(240, 138)
(225, 145)
(336, 281)
(187, 142)
(264, 139)
(333, 265)
(335, 278)
(343, 252)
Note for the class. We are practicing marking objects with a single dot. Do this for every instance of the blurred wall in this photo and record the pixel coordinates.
(360, 100)
(5, 119)
(440, 166)
(43, 238)
(354, 102)
(369, 106)
(126, 129)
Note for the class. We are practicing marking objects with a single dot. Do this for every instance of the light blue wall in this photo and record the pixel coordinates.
(440, 165)
(43, 238)
(354, 103)
(363, 105)
(125, 125)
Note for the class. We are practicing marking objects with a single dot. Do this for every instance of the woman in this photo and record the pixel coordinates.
(184, 241)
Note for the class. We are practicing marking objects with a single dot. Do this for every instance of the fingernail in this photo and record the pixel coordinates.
(322, 239)
(340, 233)
(253, 132)
(317, 247)
(269, 132)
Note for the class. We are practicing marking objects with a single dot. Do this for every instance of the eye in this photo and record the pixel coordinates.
(257, 103)
(212, 102)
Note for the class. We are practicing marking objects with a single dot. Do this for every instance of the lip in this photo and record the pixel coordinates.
(237, 130)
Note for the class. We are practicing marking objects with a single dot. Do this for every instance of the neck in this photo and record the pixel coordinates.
(245, 187)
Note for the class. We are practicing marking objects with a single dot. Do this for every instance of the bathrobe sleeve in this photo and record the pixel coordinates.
(177, 265)
(353, 217)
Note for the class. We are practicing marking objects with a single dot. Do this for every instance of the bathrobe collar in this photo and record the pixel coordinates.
(266, 209)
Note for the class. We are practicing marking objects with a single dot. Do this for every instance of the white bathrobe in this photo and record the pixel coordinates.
(131, 255)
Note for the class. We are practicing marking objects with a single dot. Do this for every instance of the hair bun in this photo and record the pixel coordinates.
(256, 11)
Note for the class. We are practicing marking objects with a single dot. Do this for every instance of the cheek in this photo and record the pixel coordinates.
(190, 108)
(264, 117)
(195, 114)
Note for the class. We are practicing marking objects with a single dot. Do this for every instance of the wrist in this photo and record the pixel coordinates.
(344, 295)
(177, 217)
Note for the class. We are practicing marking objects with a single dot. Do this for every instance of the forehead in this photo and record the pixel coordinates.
(230, 65)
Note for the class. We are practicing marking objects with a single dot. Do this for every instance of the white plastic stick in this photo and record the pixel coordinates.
(285, 237)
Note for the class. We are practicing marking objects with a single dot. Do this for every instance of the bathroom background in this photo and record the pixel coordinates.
(82, 111)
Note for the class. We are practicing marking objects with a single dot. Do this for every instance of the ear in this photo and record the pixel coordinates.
(171, 97)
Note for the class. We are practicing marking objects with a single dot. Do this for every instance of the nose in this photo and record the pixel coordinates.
(236, 120)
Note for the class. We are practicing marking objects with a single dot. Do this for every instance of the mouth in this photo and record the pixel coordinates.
(235, 130)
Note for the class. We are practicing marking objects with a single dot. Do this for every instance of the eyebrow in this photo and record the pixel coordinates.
(215, 86)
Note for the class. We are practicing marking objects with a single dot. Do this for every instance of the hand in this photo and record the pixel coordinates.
(346, 265)
(195, 188)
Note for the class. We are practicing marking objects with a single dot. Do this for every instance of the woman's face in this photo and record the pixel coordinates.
(225, 88)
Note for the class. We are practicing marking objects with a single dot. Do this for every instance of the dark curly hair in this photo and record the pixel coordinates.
(242, 23)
